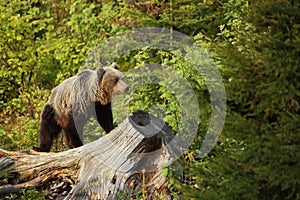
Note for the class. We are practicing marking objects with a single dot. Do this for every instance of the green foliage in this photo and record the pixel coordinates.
(258, 153)
(161, 84)
(186, 16)
(28, 195)
(20, 119)
(22, 134)
(92, 131)
(42, 44)
(137, 194)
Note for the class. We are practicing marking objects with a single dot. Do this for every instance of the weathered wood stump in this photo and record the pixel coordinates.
(130, 157)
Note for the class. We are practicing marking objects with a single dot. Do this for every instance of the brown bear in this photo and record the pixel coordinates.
(75, 100)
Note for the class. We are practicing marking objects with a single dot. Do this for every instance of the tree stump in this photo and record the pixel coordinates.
(130, 157)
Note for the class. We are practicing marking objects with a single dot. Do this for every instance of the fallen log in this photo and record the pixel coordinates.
(130, 157)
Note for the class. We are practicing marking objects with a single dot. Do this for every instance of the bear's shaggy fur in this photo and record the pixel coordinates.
(75, 100)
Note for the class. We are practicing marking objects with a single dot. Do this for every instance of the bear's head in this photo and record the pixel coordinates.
(111, 83)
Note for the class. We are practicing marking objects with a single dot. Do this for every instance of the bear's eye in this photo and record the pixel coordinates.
(116, 80)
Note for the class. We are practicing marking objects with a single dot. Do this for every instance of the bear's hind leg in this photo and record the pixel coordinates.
(72, 133)
(49, 129)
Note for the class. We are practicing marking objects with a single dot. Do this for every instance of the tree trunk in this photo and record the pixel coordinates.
(131, 157)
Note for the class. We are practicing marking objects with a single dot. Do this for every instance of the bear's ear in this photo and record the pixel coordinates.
(100, 71)
(114, 66)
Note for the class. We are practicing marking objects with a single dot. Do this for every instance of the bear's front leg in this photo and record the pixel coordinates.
(104, 116)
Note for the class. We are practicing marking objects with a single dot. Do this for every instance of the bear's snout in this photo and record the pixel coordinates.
(120, 88)
(126, 89)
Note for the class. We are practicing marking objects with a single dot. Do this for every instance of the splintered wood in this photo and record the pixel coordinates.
(130, 157)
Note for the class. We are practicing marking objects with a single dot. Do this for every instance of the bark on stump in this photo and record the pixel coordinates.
(131, 156)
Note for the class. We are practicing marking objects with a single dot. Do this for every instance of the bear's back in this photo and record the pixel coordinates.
(61, 98)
